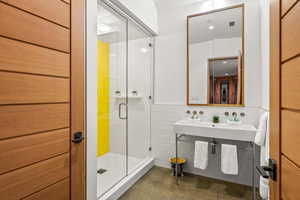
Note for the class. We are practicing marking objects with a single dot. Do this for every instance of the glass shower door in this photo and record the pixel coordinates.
(140, 60)
(112, 98)
(125, 56)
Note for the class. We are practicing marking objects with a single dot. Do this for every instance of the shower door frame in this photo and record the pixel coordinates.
(107, 4)
(116, 12)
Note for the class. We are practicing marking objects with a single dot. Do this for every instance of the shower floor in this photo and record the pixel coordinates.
(112, 168)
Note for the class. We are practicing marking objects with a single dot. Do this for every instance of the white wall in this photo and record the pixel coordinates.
(171, 50)
(144, 10)
(198, 71)
(265, 51)
(170, 83)
(198, 64)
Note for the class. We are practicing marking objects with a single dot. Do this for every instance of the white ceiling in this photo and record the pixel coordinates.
(199, 26)
(178, 2)
(112, 27)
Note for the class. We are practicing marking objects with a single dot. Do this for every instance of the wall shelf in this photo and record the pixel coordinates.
(129, 97)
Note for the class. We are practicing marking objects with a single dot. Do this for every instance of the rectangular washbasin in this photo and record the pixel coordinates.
(240, 132)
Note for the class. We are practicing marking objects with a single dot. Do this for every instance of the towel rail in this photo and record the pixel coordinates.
(187, 139)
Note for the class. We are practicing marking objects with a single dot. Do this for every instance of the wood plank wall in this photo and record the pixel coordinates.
(35, 99)
(290, 99)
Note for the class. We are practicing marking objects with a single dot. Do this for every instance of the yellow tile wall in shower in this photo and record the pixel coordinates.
(103, 98)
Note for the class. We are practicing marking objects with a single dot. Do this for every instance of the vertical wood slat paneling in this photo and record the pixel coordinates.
(32, 29)
(54, 10)
(290, 140)
(21, 151)
(78, 153)
(38, 60)
(290, 31)
(290, 71)
(286, 5)
(290, 79)
(28, 180)
(26, 119)
(290, 180)
(58, 191)
(16, 88)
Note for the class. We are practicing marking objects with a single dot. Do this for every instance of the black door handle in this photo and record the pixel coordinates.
(268, 171)
(262, 171)
(77, 137)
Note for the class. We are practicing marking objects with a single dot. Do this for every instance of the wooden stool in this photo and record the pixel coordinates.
(180, 164)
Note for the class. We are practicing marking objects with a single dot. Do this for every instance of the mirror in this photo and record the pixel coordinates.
(215, 57)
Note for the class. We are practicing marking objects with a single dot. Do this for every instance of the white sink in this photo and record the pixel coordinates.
(241, 132)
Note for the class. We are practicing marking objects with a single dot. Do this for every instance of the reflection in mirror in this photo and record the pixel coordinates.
(223, 85)
(215, 57)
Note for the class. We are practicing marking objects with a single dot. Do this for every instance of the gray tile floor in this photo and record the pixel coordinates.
(159, 184)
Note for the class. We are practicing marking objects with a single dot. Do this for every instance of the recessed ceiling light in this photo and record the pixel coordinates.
(224, 62)
(211, 27)
(144, 50)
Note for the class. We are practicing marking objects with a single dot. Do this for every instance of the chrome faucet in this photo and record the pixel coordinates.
(235, 116)
(194, 115)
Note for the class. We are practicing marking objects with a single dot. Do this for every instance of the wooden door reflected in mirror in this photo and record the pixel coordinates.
(223, 81)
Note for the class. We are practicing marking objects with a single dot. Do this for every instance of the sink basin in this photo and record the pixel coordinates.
(240, 132)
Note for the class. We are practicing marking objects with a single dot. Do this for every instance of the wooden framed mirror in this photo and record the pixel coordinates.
(215, 61)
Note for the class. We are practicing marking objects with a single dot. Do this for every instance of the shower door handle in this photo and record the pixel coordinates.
(120, 110)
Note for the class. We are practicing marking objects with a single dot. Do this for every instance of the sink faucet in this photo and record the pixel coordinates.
(194, 116)
(235, 116)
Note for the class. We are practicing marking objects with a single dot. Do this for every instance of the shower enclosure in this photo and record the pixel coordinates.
(125, 58)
